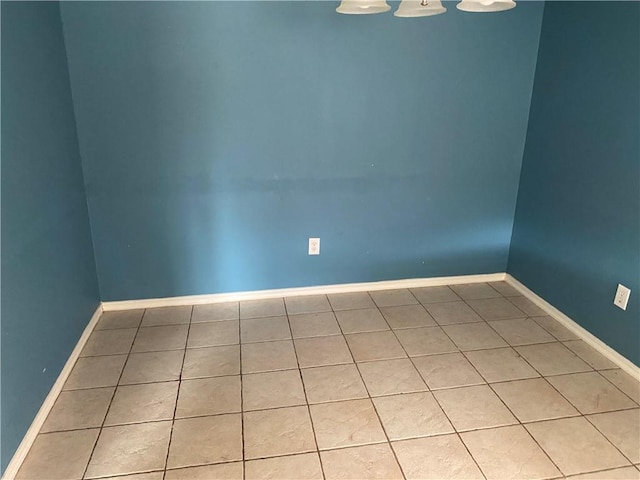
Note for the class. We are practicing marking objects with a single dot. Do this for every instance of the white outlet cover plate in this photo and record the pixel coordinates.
(314, 246)
(622, 297)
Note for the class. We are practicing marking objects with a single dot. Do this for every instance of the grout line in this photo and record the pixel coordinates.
(500, 398)
(244, 472)
(175, 407)
(304, 388)
(508, 345)
(124, 365)
(384, 430)
(455, 430)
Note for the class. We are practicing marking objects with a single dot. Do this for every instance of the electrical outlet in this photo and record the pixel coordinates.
(622, 297)
(314, 246)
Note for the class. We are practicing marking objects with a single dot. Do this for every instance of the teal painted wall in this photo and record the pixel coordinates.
(49, 285)
(577, 226)
(216, 137)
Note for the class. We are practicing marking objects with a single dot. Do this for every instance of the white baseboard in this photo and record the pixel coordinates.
(18, 457)
(604, 349)
(294, 292)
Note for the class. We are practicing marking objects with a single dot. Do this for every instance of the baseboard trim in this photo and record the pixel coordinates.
(604, 349)
(294, 292)
(18, 457)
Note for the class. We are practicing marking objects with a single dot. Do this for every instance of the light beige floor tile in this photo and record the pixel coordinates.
(268, 356)
(123, 319)
(342, 424)
(307, 304)
(264, 329)
(509, 452)
(205, 440)
(332, 383)
(575, 446)
(154, 317)
(474, 336)
(387, 377)
(373, 462)
(215, 312)
(282, 431)
(77, 409)
(211, 362)
(272, 390)
(209, 396)
(318, 351)
(425, 341)
(43, 459)
(437, 458)
(527, 306)
(374, 346)
(501, 364)
(412, 415)
(361, 320)
(552, 359)
(221, 471)
(407, 316)
(314, 325)
(213, 334)
(624, 382)
(556, 329)
(130, 449)
(447, 370)
(522, 331)
(589, 355)
(272, 307)
(434, 294)
(348, 301)
(533, 400)
(505, 289)
(154, 339)
(94, 372)
(152, 367)
(452, 313)
(624, 473)
(475, 291)
(143, 403)
(293, 467)
(591, 393)
(474, 407)
(141, 476)
(496, 309)
(392, 298)
(622, 429)
(109, 342)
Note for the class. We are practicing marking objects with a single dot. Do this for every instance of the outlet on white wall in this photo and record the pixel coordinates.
(314, 246)
(622, 297)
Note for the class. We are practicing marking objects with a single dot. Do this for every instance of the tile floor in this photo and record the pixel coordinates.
(467, 381)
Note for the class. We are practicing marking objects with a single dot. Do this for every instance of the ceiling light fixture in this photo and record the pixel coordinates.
(363, 7)
(421, 8)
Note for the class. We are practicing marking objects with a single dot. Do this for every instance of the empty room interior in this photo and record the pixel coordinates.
(320, 240)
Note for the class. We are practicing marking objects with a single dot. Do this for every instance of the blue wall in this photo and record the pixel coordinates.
(216, 137)
(577, 228)
(49, 286)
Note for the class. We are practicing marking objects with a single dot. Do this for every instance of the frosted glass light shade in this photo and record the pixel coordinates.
(363, 7)
(485, 5)
(419, 8)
